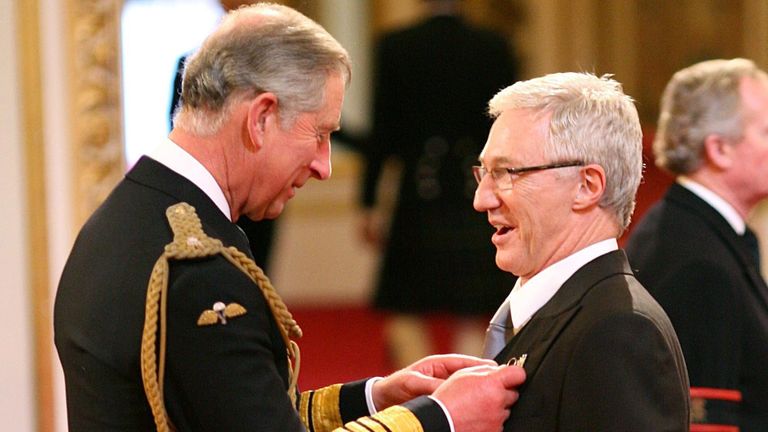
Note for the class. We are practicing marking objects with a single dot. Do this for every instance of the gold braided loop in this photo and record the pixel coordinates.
(282, 315)
(191, 242)
(149, 373)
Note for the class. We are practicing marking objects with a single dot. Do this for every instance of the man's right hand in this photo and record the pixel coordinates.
(479, 398)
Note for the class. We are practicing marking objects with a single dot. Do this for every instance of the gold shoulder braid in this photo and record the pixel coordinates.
(190, 242)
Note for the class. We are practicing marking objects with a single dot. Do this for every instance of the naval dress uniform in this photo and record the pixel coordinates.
(233, 376)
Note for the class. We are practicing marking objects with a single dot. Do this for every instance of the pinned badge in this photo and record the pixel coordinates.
(517, 361)
(220, 313)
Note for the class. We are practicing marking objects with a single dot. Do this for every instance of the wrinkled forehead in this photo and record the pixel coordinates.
(517, 136)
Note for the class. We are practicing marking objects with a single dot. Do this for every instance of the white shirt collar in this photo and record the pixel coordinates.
(177, 159)
(526, 300)
(726, 210)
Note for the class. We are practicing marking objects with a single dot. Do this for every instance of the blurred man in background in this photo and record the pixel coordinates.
(693, 249)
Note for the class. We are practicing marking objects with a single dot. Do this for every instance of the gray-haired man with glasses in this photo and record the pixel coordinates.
(564, 158)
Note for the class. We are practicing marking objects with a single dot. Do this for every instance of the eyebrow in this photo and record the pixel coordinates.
(496, 160)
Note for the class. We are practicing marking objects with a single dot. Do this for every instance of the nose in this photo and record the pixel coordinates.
(485, 195)
(321, 166)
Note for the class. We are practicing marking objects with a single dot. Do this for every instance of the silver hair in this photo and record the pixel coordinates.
(592, 121)
(699, 101)
(261, 48)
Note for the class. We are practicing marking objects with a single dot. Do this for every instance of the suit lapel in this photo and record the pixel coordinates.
(682, 197)
(536, 338)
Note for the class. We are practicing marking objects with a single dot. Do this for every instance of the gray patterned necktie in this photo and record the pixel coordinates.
(500, 331)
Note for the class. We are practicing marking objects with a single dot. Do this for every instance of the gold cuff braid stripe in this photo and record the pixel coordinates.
(325, 408)
(373, 425)
(190, 242)
(305, 400)
(392, 419)
(355, 427)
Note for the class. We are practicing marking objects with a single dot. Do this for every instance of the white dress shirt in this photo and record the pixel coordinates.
(526, 299)
(178, 160)
(720, 205)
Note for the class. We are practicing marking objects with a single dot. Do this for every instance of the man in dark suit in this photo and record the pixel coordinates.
(693, 249)
(433, 80)
(161, 322)
(558, 178)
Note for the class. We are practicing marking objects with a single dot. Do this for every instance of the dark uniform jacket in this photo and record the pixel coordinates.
(601, 356)
(229, 377)
(695, 265)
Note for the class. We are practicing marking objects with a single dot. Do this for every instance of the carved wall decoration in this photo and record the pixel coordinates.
(97, 114)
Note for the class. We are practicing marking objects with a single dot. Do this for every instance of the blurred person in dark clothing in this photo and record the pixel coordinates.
(693, 249)
(431, 87)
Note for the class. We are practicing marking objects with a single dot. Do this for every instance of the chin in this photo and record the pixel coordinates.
(504, 263)
(274, 210)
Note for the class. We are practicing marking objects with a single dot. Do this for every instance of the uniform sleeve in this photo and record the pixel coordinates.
(342, 408)
(224, 376)
(625, 375)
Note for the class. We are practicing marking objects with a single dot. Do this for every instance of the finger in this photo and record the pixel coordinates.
(477, 370)
(422, 384)
(510, 376)
(445, 365)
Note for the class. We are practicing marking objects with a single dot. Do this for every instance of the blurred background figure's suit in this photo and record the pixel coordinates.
(432, 83)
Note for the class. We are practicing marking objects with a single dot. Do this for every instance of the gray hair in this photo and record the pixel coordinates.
(592, 121)
(261, 48)
(699, 101)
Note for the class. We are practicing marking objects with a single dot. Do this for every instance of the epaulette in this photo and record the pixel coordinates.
(191, 242)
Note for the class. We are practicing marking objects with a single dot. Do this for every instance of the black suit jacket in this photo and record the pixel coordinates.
(223, 377)
(693, 262)
(601, 356)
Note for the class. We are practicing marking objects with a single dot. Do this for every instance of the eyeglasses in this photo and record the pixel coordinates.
(505, 177)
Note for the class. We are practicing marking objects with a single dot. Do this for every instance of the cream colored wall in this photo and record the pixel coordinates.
(16, 380)
(57, 135)
(318, 257)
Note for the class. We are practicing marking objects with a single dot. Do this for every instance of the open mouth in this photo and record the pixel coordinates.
(501, 230)
(502, 233)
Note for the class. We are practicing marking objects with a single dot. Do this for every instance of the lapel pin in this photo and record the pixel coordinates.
(517, 361)
(219, 313)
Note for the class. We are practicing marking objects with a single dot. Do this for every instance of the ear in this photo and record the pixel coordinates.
(262, 115)
(591, 187)
(718, 151)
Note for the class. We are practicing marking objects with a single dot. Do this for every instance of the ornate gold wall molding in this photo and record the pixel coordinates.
(37, 232)
(98, 162)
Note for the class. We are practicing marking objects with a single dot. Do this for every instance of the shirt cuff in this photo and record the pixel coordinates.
(369, 396)
(445, 411)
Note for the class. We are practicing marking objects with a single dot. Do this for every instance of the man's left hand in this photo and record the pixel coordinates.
(421, 378)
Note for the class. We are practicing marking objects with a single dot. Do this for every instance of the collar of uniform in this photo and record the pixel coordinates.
(720, 205)
(177, 159)
(525, 300)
